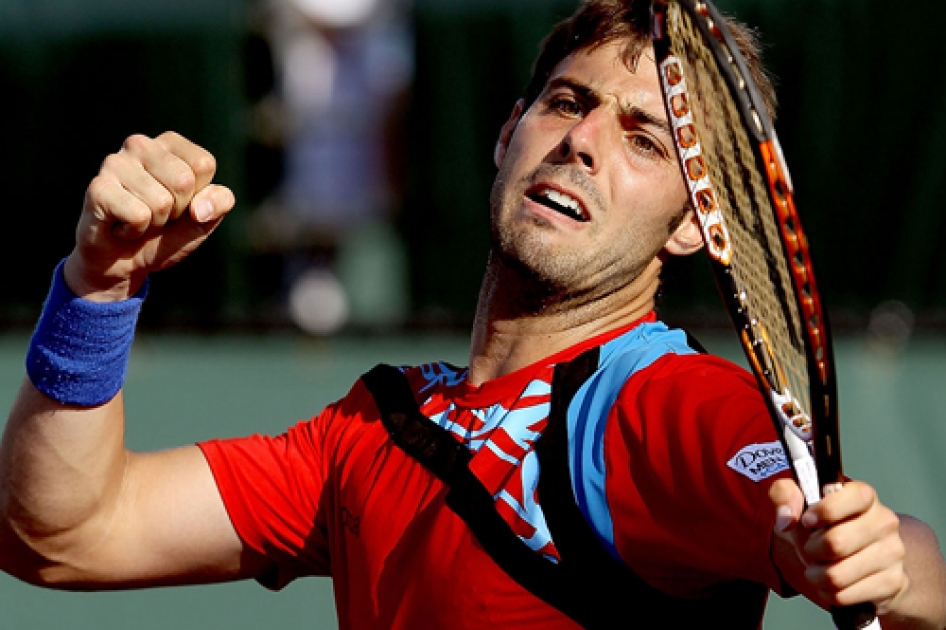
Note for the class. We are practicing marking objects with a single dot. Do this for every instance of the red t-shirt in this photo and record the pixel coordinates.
(683, 500)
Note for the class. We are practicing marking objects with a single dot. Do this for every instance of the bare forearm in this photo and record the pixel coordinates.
(851, 548)
(923, 602)
(61, 471)
(77, 510)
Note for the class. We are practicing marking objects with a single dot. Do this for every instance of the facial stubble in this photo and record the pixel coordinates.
(550, 275)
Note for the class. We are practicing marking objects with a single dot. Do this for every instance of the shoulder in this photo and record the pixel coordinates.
(699, 402)
(662, 364)
(667, 364)
(694, 379)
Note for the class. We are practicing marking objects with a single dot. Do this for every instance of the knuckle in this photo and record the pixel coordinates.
(206, 164)
(896, 581)
(890, 522)
(183, 181)
(98, 188)
(830, 512)
(137, 142)
(867, 493)
(138, 214)
(164, 202)
(835, 544)
(170, 135)
(892, 581)
(113, 162)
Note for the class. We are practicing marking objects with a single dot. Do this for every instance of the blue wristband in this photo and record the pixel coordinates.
(79, 351)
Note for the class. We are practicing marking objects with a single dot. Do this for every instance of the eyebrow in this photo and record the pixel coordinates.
(594, 97)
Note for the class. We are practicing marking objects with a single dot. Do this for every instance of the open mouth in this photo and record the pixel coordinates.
(559, 202)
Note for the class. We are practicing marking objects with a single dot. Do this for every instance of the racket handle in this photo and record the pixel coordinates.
(856, 617)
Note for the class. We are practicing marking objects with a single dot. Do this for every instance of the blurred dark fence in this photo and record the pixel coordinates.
(860, 122)
(76, 78)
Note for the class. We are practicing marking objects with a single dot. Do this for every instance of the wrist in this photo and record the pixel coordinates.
(104, 287)
(79, 351)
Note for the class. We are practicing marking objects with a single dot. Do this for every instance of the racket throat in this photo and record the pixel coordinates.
(803, 464)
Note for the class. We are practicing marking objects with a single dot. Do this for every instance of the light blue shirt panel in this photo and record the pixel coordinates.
(589, 409)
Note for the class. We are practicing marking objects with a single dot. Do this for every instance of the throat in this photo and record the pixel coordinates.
(526, 317)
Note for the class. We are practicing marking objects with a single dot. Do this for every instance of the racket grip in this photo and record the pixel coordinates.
(856, 617)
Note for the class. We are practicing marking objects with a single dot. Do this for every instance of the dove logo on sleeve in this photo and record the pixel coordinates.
(759, 461)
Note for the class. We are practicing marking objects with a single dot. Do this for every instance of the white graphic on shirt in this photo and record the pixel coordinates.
(508, 466)
(530, 511)
(759, 461)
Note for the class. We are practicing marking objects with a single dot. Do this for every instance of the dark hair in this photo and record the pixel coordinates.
(600, 22)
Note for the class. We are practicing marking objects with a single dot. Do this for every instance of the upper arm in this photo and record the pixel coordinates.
(248, 507)
(169, 526)
(685, 508)
(79, 511)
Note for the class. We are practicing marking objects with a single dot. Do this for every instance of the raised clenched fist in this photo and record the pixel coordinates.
(151, 204)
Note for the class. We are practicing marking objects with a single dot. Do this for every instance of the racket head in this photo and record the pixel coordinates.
(743, 197)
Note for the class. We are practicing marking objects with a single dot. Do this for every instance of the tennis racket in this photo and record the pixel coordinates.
(742, 193)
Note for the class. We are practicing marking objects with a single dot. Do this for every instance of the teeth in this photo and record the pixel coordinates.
(563, 200)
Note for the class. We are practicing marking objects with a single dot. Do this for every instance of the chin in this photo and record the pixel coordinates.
(537, 265)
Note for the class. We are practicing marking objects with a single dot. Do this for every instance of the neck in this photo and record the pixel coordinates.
(516, 326)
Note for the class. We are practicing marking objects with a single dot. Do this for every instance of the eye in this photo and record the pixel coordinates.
(566, 106)
(646, 146)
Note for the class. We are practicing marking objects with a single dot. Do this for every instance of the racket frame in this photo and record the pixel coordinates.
(819, 469)
(816, 335)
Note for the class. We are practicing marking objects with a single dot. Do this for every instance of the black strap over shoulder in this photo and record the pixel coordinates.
(409, 429)
(589, 585)
(447, 459)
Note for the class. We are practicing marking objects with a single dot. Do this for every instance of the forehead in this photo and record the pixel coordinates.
(603, 69)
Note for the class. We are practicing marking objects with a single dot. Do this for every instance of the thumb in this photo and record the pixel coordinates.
(788, 503)
(179, 238)
(211, 203)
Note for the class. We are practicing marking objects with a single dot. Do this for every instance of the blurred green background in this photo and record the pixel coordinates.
(859, 122)
(219, 354)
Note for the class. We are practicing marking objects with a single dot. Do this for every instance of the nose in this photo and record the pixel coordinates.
(583, 143)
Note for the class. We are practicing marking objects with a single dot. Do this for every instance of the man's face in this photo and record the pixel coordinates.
(588, 187)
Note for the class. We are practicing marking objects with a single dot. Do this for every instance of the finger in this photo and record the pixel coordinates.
(879, 526)
(861, 578)
(847, 502)
(211, 203)
(111, 204)
(169, 170)
(199, 159)
(880, 589)
(136, 180)
(788, 501)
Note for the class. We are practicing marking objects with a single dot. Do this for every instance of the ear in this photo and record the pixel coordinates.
(505, 134)
(687, 238)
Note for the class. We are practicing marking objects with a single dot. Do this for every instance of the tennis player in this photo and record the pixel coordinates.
(589, 465)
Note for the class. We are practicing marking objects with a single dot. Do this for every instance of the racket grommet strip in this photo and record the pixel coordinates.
(690, 154)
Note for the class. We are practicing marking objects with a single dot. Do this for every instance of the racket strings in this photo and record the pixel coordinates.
(758, 266)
